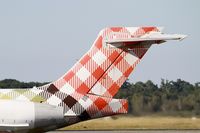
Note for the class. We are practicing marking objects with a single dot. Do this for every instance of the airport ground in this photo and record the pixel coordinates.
(138, 123)
(133, 131)
(144, 124)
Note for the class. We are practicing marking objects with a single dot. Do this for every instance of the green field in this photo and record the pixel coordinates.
(131, 123)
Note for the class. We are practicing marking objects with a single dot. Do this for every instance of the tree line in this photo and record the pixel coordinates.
(13, 83)
(169, 98)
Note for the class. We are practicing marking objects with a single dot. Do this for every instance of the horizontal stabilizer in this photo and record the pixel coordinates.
(158, 37)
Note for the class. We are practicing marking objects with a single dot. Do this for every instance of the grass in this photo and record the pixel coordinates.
(133, 123)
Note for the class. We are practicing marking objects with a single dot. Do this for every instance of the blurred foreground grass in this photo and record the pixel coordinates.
(131, 123)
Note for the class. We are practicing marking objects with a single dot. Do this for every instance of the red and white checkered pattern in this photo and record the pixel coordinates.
(100, 72)
(103, 106)
(112, 63)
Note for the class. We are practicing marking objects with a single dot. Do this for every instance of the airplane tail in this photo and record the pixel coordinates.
(108, 63)
(99, 74)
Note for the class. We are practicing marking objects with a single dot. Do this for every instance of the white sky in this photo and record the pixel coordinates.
(41, 39)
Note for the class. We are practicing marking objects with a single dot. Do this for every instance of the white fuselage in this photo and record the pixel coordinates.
(25, 116)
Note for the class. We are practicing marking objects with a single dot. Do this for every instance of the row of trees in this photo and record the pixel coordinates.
(12, 83)
(171, 97)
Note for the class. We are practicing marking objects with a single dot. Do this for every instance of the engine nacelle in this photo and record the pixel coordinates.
(28, 115)
(47, 115)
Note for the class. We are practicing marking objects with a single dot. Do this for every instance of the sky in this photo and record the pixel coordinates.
(41, 40)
